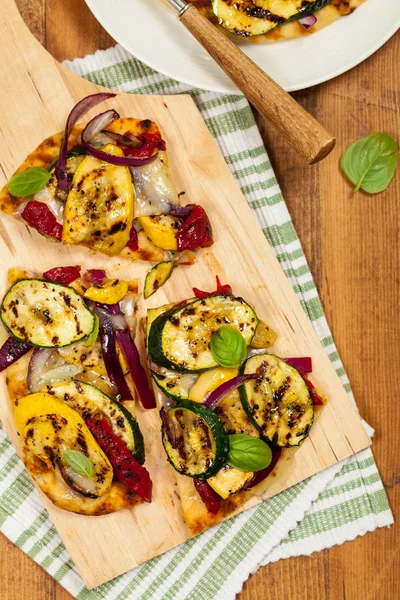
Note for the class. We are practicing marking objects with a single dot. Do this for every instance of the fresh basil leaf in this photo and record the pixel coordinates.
(26, 183)
(370, 163)
(92, 337)
(248, 453)
(228, 346)
(78, 463)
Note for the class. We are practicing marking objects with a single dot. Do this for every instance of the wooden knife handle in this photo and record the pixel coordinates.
(308, 137)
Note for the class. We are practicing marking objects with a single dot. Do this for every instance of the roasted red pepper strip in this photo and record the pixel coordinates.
(316, 398)
(209, 497)
(150, 143)
(39, 216)
(126, 468)
(195, 231)
(64, 275)
(133, 243)
(221, 289)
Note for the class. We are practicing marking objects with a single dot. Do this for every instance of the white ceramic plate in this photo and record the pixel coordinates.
(152, 33)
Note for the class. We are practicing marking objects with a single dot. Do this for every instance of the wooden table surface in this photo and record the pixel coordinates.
(352, 246)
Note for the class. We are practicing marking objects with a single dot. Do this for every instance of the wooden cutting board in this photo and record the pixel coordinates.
(37, 95)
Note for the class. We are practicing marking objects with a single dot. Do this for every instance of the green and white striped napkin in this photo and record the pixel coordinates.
(336, 505)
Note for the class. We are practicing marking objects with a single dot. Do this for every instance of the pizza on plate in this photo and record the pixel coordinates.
(106, 185)
(72, 373)
(274, 20)
(228, 404)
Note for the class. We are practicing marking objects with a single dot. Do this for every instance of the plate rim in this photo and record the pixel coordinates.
(225, 90)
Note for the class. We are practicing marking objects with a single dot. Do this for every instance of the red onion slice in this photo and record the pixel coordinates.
(156, 369)
(110, 316)
(128, 308)
(11, 351)
(123, 140)
(303, 363)
(118, 320)
(180, 211)
(308, 22)
(113, 366)
(45, 368)
(261, 475)
(228, 386)
(119, 161)
(138, 373)
(98, 123)
(79, 109)
(96, 276)
(109, 309)
(68, 475)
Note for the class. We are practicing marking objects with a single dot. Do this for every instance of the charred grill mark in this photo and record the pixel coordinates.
(120, 422)
(78, 387)
(280, 392)
(82, 443)
(206, 442)
(48, 319)
(119, 226)
(50, 454)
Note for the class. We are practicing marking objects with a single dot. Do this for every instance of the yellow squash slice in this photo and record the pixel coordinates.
(99, 208)
(48, 428)
(161, 230)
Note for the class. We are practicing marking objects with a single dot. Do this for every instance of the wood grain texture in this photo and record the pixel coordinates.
(359, 102)
(300, 129)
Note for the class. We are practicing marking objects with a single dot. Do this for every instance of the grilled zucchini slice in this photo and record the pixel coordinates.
(233, 416)
(194, 439)
(89, 402)
(152, 314)
(278, 403)
(179, 338)
(157, 276)
(256, 17)
(175, 385)
(45, 314)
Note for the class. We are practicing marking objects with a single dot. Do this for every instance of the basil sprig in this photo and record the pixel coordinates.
(228, 346)
(26, 183)
(248, 453)
(79, 463)
(370, 163)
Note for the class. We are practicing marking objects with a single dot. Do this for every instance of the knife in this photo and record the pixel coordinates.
(302, 131)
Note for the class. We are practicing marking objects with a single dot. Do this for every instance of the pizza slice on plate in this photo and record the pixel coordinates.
(106, 185)
(71, 362)
(228, 404)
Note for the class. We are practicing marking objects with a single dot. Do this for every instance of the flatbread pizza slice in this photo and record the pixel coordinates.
(106, 185)
(73, 372)
(229, 406)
